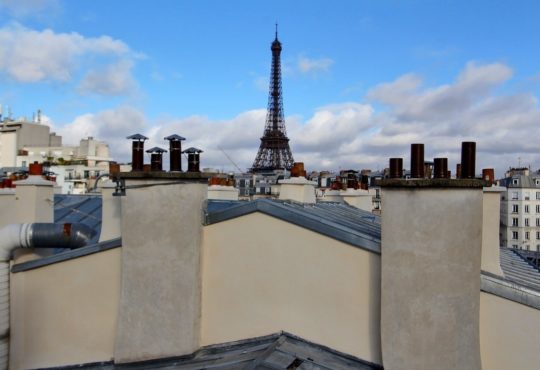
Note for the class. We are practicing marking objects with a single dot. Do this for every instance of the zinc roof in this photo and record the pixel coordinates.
(336, 220)
(85, 209)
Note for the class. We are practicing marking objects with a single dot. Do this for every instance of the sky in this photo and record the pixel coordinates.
(362, 80)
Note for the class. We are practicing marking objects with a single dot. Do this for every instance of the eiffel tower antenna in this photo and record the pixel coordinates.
(274, 152)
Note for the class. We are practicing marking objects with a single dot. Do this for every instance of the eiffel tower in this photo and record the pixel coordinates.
(274, 151)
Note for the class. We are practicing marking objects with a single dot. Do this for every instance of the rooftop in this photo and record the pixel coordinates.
(336, 220)
(277, 351)
(85, 209)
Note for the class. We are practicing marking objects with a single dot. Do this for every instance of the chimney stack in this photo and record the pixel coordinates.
(430, 290)
(175, 152)
(137, 153)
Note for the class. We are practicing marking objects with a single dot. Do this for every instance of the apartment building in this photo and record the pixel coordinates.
(520, 210)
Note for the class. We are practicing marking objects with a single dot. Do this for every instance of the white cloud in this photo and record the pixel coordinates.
(25, 8)
(311, 65)
(112, 126)
(112, 80)
(353, 134)
(31, 56)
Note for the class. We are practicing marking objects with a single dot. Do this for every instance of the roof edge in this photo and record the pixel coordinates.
(501, 287)
(68, 255)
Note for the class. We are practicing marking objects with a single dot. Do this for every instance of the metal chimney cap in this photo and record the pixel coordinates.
(137, 137)
(192, 150)
(156, 150)
(174, 137)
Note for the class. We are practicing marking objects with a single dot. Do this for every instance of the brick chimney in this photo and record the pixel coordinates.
(297, 187)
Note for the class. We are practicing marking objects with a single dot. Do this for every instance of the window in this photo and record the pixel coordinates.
(515, 208)
(527, 196)
(538, 192)
(23, 164)
(515, 182)
(514, 195)
(527, 235)
(526, 222)
(538, 235)
(537, 208)
(515, 221)
(527, 247)
(514, 235)
(538, 222)
(514, 246)
(526, 208)
(538, 247)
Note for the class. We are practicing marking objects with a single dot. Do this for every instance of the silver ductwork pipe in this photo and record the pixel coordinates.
(35, 235)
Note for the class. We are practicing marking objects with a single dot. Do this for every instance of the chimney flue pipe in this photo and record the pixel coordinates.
(488, 174)
(468, 159)
(175, 152)
(441, 168)
(193, 159)
(156, 155)
(417, 161)
(137, 153)
(396, 168)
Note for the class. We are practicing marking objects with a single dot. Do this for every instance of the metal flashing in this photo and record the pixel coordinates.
(501, 287)
(68, 255)
(336, 220)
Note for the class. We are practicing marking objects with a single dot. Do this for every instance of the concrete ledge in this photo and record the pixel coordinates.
(432, 183)
(503, 288)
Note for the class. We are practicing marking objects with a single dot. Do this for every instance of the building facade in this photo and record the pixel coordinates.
(520, 210)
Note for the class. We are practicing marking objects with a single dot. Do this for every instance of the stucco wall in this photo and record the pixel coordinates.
(431, 249)
(7, 206)
(509, 334)
(65, 313)
(262, 275)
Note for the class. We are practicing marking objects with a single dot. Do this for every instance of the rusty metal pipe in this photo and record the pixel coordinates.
(417, 161)
(175, 155)
(137, 157)
(468, 159)
(156, 162)
(193, 162)
(396, 168)
(488, 174)
(440, 170)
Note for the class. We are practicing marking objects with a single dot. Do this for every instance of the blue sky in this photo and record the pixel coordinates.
(361, 79)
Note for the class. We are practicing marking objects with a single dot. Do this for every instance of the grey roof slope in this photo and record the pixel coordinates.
(336, 220)
(84, 209)
(516, 269)
(277, 351)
